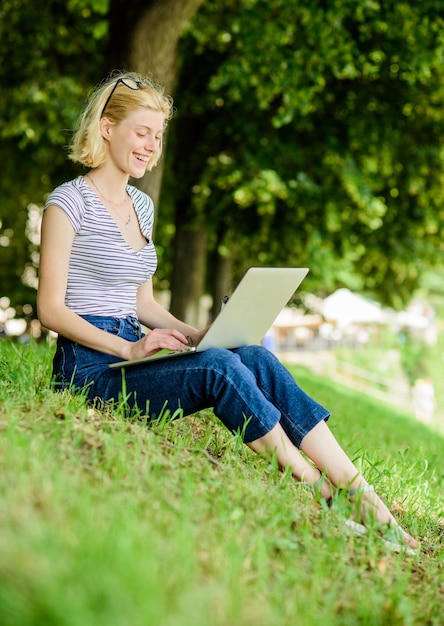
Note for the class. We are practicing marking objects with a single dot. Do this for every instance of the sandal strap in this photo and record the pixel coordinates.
(361, 489)
(392, 539)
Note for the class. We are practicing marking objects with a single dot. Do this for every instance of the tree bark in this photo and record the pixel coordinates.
(143, 37)
(220, 280)
(188, 280)
(154, 50)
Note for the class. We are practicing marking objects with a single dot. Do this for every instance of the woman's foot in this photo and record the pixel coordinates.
(371, 507)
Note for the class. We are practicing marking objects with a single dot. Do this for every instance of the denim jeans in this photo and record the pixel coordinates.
(248, 388)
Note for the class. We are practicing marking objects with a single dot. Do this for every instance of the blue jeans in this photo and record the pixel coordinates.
(248, 388)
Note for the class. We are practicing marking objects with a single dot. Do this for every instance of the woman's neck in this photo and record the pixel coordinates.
(111, 185)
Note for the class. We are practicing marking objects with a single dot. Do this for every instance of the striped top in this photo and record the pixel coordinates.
(104, 271)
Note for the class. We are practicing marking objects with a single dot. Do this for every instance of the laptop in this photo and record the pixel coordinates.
(247, 315)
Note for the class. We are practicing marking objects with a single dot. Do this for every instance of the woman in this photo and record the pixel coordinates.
(97, 263)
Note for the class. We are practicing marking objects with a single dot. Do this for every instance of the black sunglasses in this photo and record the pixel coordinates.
(128, 82)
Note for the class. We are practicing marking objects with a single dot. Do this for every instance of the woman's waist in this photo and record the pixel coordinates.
(127, 327)
(102, 306)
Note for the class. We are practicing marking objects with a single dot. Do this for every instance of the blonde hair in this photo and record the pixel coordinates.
(115, 99)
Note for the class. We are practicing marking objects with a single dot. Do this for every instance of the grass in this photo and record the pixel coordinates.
(106, 521)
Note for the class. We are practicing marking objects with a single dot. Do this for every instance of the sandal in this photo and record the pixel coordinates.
(393, 535)
(392, 538)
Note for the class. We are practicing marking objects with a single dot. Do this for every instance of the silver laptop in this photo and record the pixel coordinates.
(247, 315)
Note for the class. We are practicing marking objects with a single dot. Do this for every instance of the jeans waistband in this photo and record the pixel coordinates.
(119, 324)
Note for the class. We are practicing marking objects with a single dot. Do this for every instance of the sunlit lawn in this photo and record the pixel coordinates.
(106, 521)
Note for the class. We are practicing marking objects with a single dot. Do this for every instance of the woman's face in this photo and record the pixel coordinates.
(134, 141)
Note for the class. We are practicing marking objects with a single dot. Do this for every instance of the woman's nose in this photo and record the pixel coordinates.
(152, 143)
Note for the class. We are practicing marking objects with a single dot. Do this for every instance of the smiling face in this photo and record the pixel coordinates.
(134, 142)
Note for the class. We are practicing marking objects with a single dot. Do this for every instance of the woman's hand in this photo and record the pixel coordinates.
(199, 335)
(158, 339)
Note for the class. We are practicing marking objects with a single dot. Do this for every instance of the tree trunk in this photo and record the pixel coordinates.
(188, 281)
(143, 37)
(220, 282)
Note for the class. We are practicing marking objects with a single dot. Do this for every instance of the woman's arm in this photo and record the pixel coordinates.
(155, 316)
(56, 243)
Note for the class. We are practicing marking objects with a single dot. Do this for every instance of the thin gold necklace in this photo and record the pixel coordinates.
(115, 204)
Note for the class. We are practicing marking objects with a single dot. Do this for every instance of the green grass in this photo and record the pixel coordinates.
(106, 521)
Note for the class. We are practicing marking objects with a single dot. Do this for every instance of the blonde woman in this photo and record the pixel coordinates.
(97, 263)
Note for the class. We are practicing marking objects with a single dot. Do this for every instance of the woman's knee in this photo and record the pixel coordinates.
(258, 359)
(255, 360)
(220, 358)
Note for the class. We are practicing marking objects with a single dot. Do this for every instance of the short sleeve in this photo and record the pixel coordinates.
(68, 198)
(145, 210)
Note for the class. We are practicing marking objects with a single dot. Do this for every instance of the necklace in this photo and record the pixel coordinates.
(126, 221)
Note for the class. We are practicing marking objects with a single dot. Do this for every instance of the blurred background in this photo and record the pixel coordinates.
(306, 133)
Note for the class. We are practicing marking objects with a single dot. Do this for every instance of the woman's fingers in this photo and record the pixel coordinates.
(159, 339)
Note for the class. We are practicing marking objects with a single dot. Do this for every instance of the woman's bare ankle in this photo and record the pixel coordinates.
(314, 478)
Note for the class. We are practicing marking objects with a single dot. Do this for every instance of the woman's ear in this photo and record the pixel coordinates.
(105, 128)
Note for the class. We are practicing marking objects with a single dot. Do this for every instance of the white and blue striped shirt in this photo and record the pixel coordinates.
(104, 271)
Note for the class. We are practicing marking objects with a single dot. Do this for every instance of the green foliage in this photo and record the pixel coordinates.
(308, 133)
(316, 137)
(106, 521)
(50, 52)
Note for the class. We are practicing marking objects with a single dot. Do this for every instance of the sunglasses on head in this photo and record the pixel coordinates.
(128, 82)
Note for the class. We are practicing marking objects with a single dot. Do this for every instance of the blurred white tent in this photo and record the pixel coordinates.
(344, 308)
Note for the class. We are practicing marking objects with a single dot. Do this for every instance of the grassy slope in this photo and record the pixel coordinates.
(104, 521)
